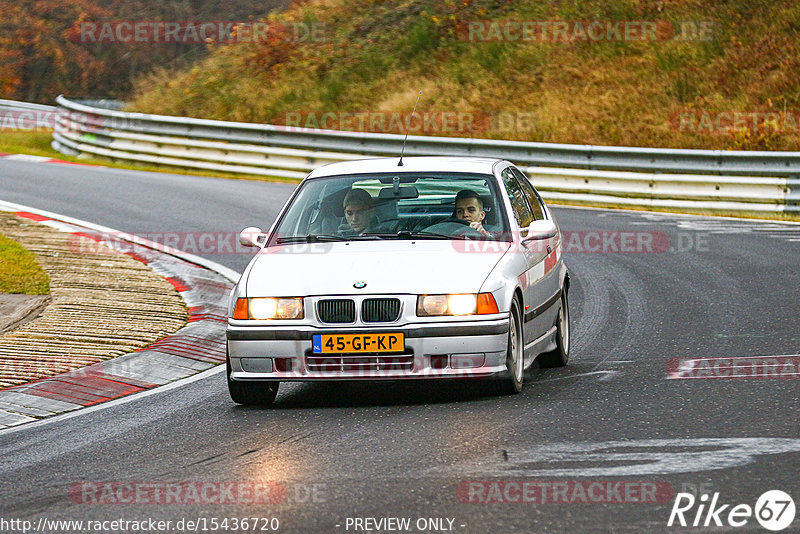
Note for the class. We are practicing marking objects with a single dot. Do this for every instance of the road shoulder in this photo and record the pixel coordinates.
(171, 328)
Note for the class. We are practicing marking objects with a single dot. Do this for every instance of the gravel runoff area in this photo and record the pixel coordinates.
(102, 304)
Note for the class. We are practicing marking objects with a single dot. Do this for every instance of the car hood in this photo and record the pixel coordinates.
(397, 266)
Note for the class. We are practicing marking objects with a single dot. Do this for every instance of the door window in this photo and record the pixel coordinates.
(522, 211)
(534, 200)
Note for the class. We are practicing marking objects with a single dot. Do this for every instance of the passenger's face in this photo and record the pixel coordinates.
(469, 209)
(357, 216)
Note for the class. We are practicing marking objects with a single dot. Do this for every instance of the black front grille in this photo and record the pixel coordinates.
(380, 310)
(319, 363)
(336, 311)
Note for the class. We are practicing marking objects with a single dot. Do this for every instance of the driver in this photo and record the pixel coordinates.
(358, 212)
(469, 207)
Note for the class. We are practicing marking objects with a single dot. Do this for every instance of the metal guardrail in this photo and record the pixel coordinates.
(714, 180)
(26, 116)
(13, 105)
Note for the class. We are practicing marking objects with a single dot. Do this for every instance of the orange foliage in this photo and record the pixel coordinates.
(41, 53)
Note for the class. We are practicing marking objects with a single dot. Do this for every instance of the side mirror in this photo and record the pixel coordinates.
(252, 236)
(538, 230)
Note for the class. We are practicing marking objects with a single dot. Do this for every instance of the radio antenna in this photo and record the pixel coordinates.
(408, 127)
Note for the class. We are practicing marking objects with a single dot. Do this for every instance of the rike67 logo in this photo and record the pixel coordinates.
(774, 510)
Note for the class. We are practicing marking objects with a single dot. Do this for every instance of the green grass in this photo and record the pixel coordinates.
(19, 271)
(33, 143)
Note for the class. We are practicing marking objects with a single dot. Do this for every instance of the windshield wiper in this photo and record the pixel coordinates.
(418, 234)
(320, 238)
(311, 238)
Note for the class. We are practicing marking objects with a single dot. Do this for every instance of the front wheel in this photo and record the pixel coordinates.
(257, 393)
(560, 356)
(512, 381)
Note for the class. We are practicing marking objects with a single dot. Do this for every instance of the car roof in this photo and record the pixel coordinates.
(410, 164)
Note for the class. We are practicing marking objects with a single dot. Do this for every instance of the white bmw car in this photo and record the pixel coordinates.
(386, 269)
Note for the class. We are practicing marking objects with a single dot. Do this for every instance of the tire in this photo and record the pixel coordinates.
(251, 393)
(511, 382)
(560, 356)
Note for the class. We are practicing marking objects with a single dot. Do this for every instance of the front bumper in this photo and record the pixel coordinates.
(464, 349)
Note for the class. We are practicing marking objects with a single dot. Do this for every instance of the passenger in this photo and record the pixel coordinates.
(358, 212)
(469, 207)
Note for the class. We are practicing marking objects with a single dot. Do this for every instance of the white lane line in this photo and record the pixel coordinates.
(623, 458)
(606, 375)
(116, 402)
(27, 157)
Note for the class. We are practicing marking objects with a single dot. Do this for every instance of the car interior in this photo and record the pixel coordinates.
(395, 215)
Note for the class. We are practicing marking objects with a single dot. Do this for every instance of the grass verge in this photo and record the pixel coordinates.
(19, 270)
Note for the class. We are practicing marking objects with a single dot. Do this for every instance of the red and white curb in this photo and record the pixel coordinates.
(37, 159)
(197, 347)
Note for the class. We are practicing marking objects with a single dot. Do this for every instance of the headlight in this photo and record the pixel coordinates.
(269, 308)
(457, 304)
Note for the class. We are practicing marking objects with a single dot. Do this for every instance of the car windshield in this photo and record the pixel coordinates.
(394, 206)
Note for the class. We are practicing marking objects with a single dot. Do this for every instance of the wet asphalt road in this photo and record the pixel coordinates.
(337, 453)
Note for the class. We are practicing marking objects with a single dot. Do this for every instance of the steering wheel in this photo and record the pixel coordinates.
(454, 227)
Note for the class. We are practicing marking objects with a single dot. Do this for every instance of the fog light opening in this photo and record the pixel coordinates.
(467, 361)
(284, 365)
(438, 361)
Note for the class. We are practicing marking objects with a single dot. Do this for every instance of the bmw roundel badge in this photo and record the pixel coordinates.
(360, 285)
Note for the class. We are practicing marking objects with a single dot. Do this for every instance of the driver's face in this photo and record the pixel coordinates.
(357, 216)
(469, 209)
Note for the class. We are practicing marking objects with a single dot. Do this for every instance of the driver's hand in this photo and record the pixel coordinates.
(479, 227)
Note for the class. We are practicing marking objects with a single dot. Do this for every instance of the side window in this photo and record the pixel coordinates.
(531, 194)
(522, 212)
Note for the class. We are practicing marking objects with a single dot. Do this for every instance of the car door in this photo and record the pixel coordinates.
(546, 275)
(534, 254)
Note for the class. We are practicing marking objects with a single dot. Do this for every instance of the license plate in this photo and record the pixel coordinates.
(355, 343)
